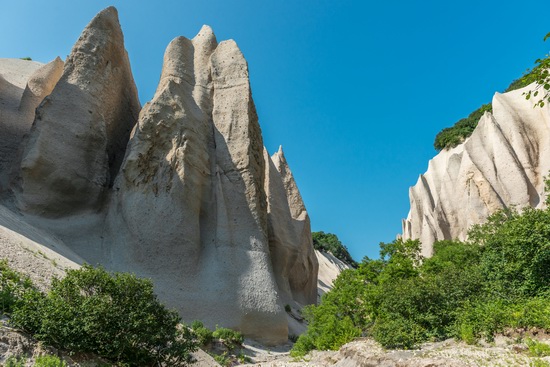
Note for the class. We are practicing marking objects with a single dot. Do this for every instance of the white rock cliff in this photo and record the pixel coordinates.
(181, 191)
(501, 165)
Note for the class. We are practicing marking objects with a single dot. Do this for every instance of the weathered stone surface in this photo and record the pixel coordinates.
(501, 165)
(296, 266)
(329, 269)
(40, 84)
(80, 132)
(194, 168)
(186, 204)
(16, 122)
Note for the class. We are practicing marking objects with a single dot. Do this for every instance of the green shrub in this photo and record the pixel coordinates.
(450, 137)
(204, 335)
(516, 252)
(26, 58)
(539, 363)
(14, 361)
(49, 361)
(538, 349)
(302, 346)
(288, 309)
(230, 338)
(13, 286)
(395, 331)
(116, 316)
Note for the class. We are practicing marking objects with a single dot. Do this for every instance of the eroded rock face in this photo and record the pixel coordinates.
(294, 260)
(182, 199)
(81, 129)
(23, 85)
(501, 165)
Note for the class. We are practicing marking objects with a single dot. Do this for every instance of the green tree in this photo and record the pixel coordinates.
(329, 242)
(541, 75)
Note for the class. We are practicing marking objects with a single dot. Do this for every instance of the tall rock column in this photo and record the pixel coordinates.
(165, 179)
(80, 131)
(294, 260)
(241, 207)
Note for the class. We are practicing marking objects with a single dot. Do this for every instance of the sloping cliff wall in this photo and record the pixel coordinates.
(501, 165)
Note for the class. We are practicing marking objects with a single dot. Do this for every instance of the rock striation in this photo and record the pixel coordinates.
(181, 191)
(501, 165)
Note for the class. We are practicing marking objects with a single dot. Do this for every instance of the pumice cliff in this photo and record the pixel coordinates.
(181, 190)
(501, 165)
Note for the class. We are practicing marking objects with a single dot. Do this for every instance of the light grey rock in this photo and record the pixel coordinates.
(40, 84)
(15, 77)
(80, 132)
(294, 260)
(179, 196)
(194, 167)
(501, 165)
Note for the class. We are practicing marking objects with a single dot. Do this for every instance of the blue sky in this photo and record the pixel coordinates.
(355, 91)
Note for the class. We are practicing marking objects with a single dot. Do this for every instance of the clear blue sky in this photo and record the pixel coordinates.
(355, 91)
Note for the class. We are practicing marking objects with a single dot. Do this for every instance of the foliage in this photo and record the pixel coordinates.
(468, 290)
(26, 58)
(14, 361)
(539, 363)
(13, 286)
(229, 337)
(538, 349)
(541, 75)
(329, 242)
(116, 316)
(49, 361)
(452, 136)
(203, 334)
(516, 256)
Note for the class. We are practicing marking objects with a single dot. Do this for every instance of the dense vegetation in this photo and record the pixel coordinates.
(467, 290)
(116, 316)
(329, 242)
(452, 136)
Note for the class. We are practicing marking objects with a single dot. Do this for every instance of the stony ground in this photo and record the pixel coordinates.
(504, 352)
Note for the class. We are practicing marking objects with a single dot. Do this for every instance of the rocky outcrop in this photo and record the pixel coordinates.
(23, 85)
(40, 85)
(329, 269)
(289, 234)
(189, 198)
(501, 165)
(81, 129)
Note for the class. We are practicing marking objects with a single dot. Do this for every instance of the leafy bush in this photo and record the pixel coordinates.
(116, 316)
(395, 331)
(329, 242)
(452, 136)
(49, 361)
(496, 281)
(14, 361)
(516, 252)
(229, 337)
(203, 334)
(538, 349)
(13, 286)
